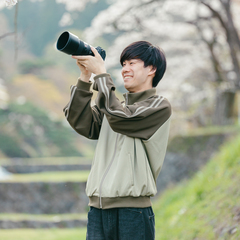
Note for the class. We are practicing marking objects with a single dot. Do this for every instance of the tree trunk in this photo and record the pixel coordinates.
(224, 107)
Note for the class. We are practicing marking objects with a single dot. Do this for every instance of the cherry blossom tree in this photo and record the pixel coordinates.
(168, 24)
(220, 34)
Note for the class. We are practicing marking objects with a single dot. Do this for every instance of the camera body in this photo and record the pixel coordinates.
(72, 45)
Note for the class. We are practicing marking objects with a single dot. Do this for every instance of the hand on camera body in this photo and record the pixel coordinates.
(89, 64)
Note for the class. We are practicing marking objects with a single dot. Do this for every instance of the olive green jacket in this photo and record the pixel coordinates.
(132, 141)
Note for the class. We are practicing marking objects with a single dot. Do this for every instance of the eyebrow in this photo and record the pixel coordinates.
(133, 59)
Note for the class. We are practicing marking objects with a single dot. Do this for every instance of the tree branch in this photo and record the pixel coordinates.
(215, 14)
(220, 74)
(6, 35)
(16, 33)
(231, 35)
(115, 23)
(230, 23)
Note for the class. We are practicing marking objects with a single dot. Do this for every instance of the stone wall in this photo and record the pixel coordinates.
(43, 198)
(8, 224)
(21, 168)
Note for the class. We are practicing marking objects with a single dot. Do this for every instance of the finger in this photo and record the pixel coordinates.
(82, 58)
(80, 64)
(95, 52)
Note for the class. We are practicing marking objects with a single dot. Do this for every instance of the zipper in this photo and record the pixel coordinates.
(126, 99)
(106, 172)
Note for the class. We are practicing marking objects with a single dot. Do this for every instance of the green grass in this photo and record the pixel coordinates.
(70, 176)
(42, 217)
(45, 161)
(211, 130)
(39, 234)
(205, 207)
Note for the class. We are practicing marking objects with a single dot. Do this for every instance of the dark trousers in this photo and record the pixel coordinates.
(121, 224)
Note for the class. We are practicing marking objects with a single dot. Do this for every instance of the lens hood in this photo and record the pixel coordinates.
(72, 45)
(68, 43)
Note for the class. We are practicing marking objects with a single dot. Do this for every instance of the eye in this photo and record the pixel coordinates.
(131, 63)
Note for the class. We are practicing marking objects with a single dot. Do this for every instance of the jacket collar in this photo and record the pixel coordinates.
(131, 98)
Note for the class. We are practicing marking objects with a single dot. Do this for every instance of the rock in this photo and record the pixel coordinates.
(4, 174)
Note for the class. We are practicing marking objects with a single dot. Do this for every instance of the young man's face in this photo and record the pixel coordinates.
(136, 77)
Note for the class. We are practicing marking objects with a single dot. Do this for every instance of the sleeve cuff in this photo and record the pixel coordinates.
(102, 75)
(109, 83)
(83, 85)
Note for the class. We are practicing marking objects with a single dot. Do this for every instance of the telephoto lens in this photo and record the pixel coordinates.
(72, 45)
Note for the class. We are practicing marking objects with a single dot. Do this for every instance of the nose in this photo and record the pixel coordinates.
(125, 68)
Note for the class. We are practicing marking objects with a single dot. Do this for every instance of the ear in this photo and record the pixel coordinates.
(152, 70)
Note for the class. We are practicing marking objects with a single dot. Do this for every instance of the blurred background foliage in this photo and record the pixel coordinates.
(27, 131)
(34, 76)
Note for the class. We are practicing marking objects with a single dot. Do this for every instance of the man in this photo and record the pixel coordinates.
(132, 140)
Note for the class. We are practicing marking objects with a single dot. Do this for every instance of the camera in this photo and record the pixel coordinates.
(72, 45)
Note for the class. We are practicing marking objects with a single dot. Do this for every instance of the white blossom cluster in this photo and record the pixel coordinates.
(66, 20)
(10, 2)
(75, 5)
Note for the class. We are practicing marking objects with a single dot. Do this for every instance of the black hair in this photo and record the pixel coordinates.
(149, 54)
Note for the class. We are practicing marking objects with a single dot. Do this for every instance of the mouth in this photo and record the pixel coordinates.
(127, 77)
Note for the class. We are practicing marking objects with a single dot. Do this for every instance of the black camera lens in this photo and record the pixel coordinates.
(72, 45)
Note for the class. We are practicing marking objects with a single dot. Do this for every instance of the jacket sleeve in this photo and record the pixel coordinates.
(83, 118)
(140, 120)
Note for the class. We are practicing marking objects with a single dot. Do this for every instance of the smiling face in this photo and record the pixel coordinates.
(136, 77)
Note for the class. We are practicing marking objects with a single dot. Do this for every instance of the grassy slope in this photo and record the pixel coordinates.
(206, 207)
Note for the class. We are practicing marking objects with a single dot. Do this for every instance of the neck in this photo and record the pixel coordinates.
(141, 88)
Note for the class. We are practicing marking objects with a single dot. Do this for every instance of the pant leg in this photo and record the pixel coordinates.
(110, 223)
(136, 224)
(95, 225)
(102, 224)
(149, 223)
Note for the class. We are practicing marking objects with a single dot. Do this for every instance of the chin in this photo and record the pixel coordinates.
(127, 88)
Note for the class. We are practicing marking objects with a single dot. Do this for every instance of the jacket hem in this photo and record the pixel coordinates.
(119, 202)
